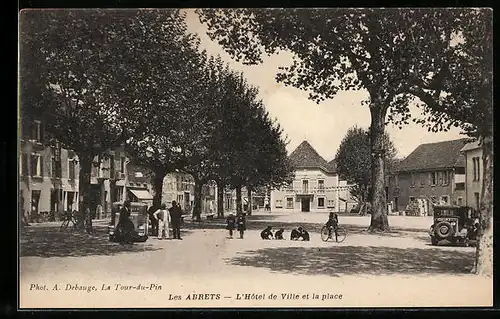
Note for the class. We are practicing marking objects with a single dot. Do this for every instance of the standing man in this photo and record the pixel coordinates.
(175, 215)
(161, 215)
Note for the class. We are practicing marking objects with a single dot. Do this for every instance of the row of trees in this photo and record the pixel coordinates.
(102, 79)
(439, 58)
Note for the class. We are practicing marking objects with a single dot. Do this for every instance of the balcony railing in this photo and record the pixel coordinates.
(315, 190)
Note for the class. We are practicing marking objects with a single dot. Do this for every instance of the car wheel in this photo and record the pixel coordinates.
(443, 230)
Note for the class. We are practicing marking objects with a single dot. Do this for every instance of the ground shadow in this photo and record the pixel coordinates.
(348, 260)
(48, 241)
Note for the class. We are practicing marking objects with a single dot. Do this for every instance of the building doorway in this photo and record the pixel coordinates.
(305, 204)
(70, 198)
(35, 200)
(186, 201)
(396, 206)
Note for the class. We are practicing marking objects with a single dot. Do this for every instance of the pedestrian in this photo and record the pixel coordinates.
(266, 233)
(154, 222)
(231, 224)
(125, 228)
(163, 220)
(175, 217)
(242, 224)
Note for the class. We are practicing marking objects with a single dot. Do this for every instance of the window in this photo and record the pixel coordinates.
(434, 178)
(476, 199)
(423, 177)
(321, 202)
(445, 199)
(412, 179)
(459, 201)
(305, 186)
(24, 164)
(475, 168)
(278, 203)
(36, 165)
(446, 178)
(122, 164)
(71, 169)
(289, 202)
(321, 185)
(36, 132)
(56, 167)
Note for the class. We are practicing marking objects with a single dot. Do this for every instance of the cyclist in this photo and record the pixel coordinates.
(332, 224)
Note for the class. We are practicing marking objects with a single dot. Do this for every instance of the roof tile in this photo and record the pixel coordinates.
(434, 156)
(305, 156)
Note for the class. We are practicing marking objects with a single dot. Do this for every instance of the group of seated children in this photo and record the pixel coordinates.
(296, 234)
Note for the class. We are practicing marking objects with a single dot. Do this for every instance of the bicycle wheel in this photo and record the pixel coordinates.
(325, 233)
(64, 225)
(339, 235)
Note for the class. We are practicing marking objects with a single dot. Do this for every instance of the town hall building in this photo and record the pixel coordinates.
(316, 187)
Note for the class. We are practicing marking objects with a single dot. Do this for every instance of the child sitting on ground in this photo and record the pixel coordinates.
(266, 233)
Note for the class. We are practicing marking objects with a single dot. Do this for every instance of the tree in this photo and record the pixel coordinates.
(166, 97)
(66, 74)
(463, 98)
(353, 160)
(343, 49)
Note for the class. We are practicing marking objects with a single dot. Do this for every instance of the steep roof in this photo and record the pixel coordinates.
(305, 156)
(433, 156)
(471, 146)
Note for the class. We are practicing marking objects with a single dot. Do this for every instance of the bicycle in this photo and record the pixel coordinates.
(328, 232)
(79, 222)
(69, 218)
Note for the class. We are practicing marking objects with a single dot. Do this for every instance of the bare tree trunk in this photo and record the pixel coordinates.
(198, 184)
(158, 176)
(249, 195)
(220, 199)
(238, 200)
(484, 250)
(84, 191)
(379, 221)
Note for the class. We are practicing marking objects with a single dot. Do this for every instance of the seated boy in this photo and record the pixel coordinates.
(266, 233)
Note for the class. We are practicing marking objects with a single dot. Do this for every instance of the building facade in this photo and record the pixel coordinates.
(433, 172)
(48, 175)
(179, 186)
(316, 186)
(473, 154)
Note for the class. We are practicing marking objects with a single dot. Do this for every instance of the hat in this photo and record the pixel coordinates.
(231, 214)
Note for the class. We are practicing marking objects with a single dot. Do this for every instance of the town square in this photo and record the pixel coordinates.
(234, 158)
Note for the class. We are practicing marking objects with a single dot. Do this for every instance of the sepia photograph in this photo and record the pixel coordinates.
(330, 158)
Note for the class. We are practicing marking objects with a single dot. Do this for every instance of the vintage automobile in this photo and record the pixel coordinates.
(138, 216)
(456, 225)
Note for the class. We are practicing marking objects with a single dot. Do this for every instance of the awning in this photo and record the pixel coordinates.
(141, 193)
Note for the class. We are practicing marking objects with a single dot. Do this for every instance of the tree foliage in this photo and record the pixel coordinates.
(353, 159)
(97, 75)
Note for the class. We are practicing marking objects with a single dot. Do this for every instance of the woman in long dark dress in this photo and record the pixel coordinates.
(125, 228)
(242, 224)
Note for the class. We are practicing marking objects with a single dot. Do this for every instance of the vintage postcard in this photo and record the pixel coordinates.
(229, 158)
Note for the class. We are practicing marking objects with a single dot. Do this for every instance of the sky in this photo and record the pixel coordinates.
(323, 125)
